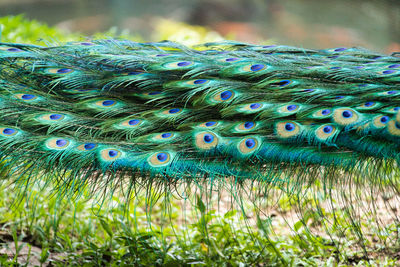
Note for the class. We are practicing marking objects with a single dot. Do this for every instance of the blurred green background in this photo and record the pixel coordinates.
(374, 24)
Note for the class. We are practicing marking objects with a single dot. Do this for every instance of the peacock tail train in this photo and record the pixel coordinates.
(110, 113)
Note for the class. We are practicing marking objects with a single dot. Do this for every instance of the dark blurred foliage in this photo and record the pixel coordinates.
(374, 24)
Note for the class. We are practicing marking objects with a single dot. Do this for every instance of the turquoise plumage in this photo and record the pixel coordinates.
(114, 109)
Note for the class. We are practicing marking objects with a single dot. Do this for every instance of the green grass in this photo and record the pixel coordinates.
(81, 232)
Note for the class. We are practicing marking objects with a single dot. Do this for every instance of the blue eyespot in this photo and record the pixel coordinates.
(326, 112)
(166, 135)
(340, 49)
(184, 63)
(174, 110)
(283, 83)
(257, 67)
(347, 114)
(388, 71)
(397, 124)
(339, 97)
(200, 81)
(335, 68)
(154, 93)
(86, 43)
(133, 122)
(208, 138)
(27, 97)
(13, 49)
(135, 72)
(394, 66)
(327, 129)
(396, 108)
(8, 131)
(162, 157)
(61, 142)
(250, 143)
(89, 146)
(162, 55)
(210, 123)
(291, 107)
(268, 46)
(384, 119)
(255, 105)
(308, 90)
(64, 70)
(368, 104)
(107, 103)
(248, 124)
(231, 59)
(55, 116)
(226, 95)
(391, 92)
(112, 153)
(289, 126)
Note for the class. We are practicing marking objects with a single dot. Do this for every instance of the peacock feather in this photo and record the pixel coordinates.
(114, 112)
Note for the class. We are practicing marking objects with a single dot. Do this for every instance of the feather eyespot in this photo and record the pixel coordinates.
(153, 93)
(322, 113)
(368, 105)
(136, 72)
(110, 154)
(325, 131)
(206, 140)
(87, 147)
(26, 97)
(159, 159)
(289, 109)
(287, 129)
(133, 73)
(198, 82)
(394, 66)
(172, 111)
(391, 110)
(248, 145)
(52, 117)
(345, 116)
(281, 83)
(164, 136)
(224, 96)
(86, 43)
(59, 70)
(106, 103)
(253, 107)
(231, 59)
(131, 123)
(209, 124)
(340, 49)
(57, 143)
(8, 132)
(380, 121)
(254, 67)
(245, 126)
(10, 49)
(393, 128)
(387, 72)
(179, 65)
